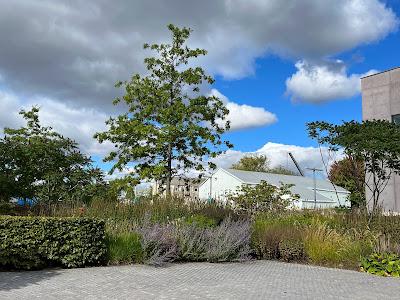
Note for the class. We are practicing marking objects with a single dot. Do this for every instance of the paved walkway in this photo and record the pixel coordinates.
(253, 280)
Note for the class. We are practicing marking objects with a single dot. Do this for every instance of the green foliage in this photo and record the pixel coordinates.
(170, 125)
(349, 173)
(328, 246)
(124, 248)
(255, 163)
(263, 197)
(201, 221)
(282, 170)
(259, 163)
(292, 249)
(383, 264)
(39, 163)
(376, 143)
(277, 237)
(322, 239)
(32, 242)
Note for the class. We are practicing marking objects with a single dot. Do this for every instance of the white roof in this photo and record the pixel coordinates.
(303, 186)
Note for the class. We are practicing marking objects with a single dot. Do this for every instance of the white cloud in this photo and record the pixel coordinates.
(307, 157)
(242, 116)
(79, 124)
(322, 82)
(9, 107)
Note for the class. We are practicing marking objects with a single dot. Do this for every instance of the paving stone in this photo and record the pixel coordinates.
(251, 280)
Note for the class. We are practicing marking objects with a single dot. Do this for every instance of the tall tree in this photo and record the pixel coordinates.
(259, 163)
(252, 162)
(350, 174)
(39, 163)
(169, 126)
(376, 143)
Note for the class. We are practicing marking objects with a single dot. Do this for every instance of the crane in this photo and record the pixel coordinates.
(296, 164)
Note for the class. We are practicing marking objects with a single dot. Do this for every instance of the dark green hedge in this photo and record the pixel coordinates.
(35, 242)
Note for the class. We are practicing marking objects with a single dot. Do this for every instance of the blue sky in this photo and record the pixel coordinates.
(292, 61)
(267, 88)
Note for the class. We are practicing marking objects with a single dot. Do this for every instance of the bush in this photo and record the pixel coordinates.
(278, 241)
(201, 221)
(124, 248)
(159, 243)
(32, 242)
(263, 197)
(230, 241)
(163, 243)
(384, 264)
(292, 250)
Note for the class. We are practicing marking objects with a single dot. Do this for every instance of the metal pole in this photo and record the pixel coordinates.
(211, 188)
(315, 184)
(315, 190)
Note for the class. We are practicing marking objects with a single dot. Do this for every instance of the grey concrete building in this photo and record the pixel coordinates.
(381, 100)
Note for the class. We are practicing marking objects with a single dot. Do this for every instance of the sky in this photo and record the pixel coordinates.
(277, 64)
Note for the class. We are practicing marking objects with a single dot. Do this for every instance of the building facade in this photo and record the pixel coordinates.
(186, 188)
(381, 100)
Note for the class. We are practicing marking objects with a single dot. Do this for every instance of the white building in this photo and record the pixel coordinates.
(226, 181)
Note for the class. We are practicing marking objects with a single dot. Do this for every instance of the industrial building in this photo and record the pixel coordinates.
(226, 181)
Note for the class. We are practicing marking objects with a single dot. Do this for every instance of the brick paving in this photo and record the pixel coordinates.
(252, 280)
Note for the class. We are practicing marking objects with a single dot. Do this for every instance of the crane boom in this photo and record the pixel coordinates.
(296, 164)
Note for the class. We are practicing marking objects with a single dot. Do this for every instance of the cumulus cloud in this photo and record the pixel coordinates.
(316, 83)
(75, 50)
(242, 116)
(79, 124)
(307, 157)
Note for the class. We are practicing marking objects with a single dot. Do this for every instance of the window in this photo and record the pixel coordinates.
(396, 119)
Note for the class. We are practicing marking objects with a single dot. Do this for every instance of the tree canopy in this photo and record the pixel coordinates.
(349, 173)
(376, 143)
(259, 163)
(252, 162)
(38, 163)
(170, 125)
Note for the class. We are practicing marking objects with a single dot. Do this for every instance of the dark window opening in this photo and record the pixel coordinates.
(396, 119)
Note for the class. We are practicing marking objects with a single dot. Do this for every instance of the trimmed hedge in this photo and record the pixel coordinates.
(35, 242)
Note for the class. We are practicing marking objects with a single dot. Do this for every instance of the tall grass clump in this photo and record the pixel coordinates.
(330, 247)
(124, 248)
(278, 241)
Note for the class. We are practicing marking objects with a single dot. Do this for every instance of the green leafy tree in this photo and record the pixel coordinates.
(349, 173)
(169, 125)
(282, 170)
(39, 163)
(263, 197)
(376, 143)
(252, 162)
(259, 163)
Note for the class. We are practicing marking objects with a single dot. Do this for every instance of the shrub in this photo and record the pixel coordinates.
(159, 243)
(384, 264)
(163, 243)
(230, 241)
(263, 197)
(124, 248)
(193, 243)
(278, 241)
(201, 221)
(292, 250)
(32, 242)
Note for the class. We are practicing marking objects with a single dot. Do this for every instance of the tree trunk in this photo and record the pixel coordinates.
(169, 173)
